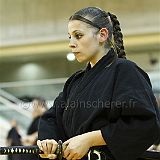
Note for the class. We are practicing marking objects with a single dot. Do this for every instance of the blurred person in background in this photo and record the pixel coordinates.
(109, 106)
(13, 139)
(39, 107)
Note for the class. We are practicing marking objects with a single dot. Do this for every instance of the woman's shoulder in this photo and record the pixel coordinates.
(123, 63)
(129, 67)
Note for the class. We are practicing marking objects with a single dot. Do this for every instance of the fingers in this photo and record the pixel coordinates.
(51, 146)
(44, 155)
(44, 146)
(39, 145)
(70, 157)
(64, 146)
(69, 154)
(50, 156)
(54, 146)
(66, 153)
(47, 146)
(66, 149)
(67, 142)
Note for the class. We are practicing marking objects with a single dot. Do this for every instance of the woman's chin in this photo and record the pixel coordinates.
(80, 60)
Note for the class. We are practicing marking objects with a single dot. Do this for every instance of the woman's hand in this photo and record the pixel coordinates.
(77, 147)
(48, 147)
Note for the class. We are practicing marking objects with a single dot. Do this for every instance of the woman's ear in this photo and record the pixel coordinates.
(103, 34)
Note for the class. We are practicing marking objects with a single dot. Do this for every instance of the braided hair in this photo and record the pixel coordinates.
(118, 36)
(98, 18)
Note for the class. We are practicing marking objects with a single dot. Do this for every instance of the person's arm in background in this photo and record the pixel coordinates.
(30, 139)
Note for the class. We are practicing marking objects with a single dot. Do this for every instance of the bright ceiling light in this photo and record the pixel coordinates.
(70, 57)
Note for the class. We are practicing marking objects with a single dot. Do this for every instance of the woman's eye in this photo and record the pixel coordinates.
(78, 36)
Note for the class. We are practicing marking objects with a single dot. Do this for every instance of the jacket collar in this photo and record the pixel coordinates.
(104, 62)
(90, 74)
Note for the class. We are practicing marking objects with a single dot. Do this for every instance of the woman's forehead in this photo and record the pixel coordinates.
(77, 25)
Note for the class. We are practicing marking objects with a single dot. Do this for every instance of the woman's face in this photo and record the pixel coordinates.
(83, 40)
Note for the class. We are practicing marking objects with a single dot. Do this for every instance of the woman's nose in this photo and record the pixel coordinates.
(72, 44)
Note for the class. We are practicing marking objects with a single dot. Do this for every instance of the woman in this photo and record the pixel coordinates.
(110, 105)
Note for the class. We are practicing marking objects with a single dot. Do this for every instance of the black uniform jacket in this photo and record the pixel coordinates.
(114, 96)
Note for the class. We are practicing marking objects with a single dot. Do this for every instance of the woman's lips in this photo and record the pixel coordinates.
(76, 53)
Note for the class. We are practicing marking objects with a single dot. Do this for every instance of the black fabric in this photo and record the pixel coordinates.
(33, 126)
(114, 96)
(15, 138)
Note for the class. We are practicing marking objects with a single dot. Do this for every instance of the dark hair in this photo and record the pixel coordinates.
(101, 19)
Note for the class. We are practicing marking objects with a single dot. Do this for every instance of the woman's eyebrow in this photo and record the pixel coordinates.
(75, 31)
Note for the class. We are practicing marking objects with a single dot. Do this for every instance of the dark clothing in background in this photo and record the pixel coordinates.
(32, 129)
(33, 126)
(115, 96)
(15, 139)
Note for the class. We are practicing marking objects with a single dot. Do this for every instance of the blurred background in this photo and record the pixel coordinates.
(35, 59)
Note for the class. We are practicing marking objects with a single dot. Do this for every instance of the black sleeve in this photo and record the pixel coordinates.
(135, 126)
(50, 124)
(33, 126)
(48, 127)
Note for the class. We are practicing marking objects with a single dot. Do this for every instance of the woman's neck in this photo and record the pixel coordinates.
(98, 56)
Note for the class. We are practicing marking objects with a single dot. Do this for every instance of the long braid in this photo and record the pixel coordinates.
(118, 36)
